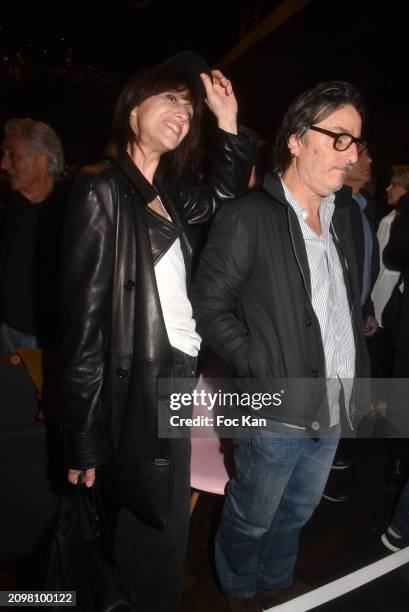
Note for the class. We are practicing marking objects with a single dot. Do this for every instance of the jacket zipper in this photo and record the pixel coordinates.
(296, 257)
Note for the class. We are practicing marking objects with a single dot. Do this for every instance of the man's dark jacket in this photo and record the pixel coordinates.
(40, 314)
(252, 299)
(344, 196)
(116, 345)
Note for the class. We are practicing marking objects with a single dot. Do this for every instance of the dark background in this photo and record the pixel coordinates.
(65, 63)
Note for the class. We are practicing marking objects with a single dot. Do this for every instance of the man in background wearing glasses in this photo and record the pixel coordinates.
(363, 221)
(364, 229)
(277, 295)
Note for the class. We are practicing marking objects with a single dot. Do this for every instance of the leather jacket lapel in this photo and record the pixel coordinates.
(180, 224)
(146, 190)
(162, 234)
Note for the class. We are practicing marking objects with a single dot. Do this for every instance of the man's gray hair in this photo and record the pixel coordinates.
(40, 137)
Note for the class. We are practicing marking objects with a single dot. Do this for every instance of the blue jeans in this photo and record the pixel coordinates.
(400, 522)
(279, 480)
(12, 339)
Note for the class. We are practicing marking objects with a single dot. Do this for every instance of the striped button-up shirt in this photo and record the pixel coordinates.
(330, 302)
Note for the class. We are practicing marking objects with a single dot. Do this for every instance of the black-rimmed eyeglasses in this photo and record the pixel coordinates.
(342, 140)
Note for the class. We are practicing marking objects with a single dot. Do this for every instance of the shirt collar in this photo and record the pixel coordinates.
(360, 199)
(326, 207)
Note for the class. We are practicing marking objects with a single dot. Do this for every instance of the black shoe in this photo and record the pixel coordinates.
(335, 493)
(341, 463)
(273, 597)
(393, 541)
(245, 604)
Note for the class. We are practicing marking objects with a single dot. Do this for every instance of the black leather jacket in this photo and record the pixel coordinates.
(115, 341)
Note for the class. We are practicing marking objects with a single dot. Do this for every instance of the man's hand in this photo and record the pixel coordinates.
(221, 100)
(370, 326)
(89, 477)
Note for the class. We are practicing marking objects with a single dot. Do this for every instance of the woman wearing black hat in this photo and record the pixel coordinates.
(128, 319)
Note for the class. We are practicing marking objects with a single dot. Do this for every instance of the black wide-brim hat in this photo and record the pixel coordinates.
(190, 64)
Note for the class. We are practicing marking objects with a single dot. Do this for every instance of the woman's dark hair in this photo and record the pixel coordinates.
(150, 83)
(311, 107)
(400, 175)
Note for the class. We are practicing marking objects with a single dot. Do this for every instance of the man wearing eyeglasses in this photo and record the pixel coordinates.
(277, 296)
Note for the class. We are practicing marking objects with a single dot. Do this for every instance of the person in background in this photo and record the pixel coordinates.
(387, 279)
(392, 299)
(127, 316)
(30, 241)
(362, 210)
(364, 234)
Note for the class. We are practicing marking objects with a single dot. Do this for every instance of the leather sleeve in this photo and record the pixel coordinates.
(396, 252)
(86, 284)
(222, 272)
(234, 157)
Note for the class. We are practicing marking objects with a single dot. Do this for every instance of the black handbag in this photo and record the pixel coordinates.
(78, 559)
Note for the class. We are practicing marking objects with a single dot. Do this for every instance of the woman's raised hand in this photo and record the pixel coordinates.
(221, 100)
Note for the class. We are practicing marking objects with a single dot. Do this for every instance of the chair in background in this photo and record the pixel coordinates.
(28, 502)
(211, 466)
(212, 457)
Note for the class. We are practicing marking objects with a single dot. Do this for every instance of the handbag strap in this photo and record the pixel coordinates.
(69, 506)
(92, 501)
